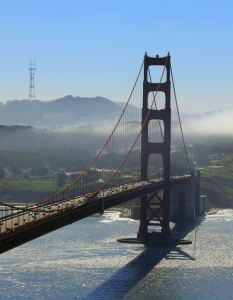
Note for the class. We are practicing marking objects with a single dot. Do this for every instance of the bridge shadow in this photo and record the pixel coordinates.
(119, 284)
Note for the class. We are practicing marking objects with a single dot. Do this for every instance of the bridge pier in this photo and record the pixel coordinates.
(153, 212)
(142, 233)
(183, 205)
(155, 238)
(186, 200)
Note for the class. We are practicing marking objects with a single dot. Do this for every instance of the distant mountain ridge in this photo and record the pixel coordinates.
(66, 111)
(75, 112)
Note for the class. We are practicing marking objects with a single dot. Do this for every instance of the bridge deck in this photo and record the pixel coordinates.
(15, 231)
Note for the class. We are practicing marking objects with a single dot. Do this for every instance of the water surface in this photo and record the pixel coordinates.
(84, 261)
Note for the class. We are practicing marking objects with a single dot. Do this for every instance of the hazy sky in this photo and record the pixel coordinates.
(95, 48)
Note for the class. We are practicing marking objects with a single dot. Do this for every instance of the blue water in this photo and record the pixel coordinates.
(84, 261)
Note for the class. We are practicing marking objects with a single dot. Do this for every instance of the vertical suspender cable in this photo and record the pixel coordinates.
(180, 122)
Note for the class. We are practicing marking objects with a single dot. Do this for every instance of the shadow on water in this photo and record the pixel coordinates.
(119, 284)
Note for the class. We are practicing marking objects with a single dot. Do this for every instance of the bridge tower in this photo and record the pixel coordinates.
(163, 148)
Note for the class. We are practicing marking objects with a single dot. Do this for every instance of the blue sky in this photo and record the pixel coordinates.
(95, 48)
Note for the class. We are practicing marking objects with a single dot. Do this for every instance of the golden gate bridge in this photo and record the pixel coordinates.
(144, 157)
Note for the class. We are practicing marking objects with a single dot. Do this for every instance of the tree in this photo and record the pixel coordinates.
(61, 178)
(42, 171)
(33, 171)
(16, 169)
(2, 171)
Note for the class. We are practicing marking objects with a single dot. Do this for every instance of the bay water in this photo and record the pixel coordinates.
(85, 261)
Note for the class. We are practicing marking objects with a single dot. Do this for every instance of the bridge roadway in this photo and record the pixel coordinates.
(24, 226)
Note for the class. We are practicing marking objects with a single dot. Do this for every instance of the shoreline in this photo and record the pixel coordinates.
(125, 212)
(212, 211)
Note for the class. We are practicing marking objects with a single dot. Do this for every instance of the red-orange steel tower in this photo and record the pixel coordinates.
(163, 148)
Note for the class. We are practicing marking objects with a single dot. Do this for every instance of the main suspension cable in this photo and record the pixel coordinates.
(130, 150)
(102, 149)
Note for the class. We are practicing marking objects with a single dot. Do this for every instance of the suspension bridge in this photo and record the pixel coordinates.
(144, 157)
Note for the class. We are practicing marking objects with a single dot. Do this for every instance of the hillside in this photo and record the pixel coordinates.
(26, 138)
(66, 111)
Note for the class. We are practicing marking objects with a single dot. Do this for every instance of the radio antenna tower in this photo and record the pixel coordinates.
(32, 70)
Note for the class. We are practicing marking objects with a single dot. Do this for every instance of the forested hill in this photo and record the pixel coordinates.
(26, 138)
(66, 111)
